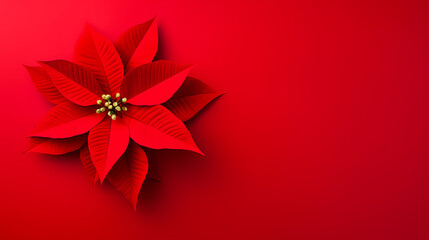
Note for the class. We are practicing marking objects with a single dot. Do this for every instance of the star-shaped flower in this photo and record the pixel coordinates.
(112, 99)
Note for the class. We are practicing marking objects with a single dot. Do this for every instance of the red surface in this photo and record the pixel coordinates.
(322, 133)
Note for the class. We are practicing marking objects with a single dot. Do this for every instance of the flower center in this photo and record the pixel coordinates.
(113, 105)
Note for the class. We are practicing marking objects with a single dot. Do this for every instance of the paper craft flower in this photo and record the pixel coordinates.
(112, 99)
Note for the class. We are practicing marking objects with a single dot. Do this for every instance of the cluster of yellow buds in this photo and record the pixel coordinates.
(112, 105)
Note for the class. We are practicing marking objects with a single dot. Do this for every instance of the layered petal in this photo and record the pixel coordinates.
(56, 146)
(67, 120)
(44, 84)
(129, 173)
(74, 82)
(154, 83)
(191, 97)
(85, 158)
(107, 142)
(138, 45)
(156, 127)
(97, 54)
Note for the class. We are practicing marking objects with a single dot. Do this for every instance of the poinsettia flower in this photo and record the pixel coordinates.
(111, 100)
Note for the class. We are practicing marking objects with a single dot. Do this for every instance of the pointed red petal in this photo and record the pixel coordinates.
(107, 142)
(138, 45)
(44, 84)
(67, 120)
(191, 97)
(153, 83)
(56, 146)
(74, 82)
(85, 158)
(156, 127)
(128, 174)
(97, 54)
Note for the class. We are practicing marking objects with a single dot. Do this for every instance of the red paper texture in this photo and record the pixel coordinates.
(322, 132)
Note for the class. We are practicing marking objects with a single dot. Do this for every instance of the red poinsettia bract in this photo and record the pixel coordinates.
(112, 99)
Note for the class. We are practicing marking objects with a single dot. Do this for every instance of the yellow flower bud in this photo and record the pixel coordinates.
(109, 113)
(113, 117)
(106, 104)
(103, 96)
(124, 109)
(118, 95)
(115, 104)
(99, 102)
(110, 107)
(118, 108)
(102, 109)
(124, 99)
(97, 111)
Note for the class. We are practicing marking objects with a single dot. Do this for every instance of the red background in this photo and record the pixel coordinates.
(323, 132)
